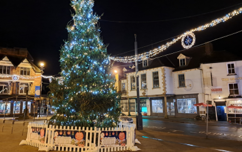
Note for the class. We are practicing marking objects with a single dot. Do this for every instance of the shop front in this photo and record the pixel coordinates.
(233, 114)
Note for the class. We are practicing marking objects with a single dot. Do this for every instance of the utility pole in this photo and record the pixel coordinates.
(139, 121)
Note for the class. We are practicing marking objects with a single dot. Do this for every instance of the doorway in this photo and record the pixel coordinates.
(171, 108)
(221, 113)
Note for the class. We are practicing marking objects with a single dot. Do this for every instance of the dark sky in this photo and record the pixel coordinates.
(40, 25)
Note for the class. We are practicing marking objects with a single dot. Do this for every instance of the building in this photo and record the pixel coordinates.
(172, 84)
(20, 80)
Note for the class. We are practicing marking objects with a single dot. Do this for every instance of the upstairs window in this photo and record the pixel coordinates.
(181, 79)
(3, 88)
(143, 81)
(145, 63)
(231, 68)
(24, 71)
(23, 88)
(156, 80)
(4, 69)
(233, 89)
(132, 79)
(182, 62)
(123, 86)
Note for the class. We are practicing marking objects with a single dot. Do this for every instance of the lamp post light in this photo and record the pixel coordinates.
(42, 67)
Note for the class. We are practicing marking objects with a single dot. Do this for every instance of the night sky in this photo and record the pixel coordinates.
(40, 25)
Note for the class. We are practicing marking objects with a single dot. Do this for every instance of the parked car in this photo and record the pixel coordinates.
(125, 118)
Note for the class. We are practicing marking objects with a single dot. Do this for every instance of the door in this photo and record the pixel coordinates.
(221, 113)
(171, 108)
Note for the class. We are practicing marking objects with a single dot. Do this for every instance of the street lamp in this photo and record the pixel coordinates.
(42, 67)
(115, 71)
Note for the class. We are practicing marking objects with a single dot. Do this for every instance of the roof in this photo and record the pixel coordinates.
(195, 57)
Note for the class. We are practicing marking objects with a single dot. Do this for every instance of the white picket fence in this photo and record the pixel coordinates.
(92, 138)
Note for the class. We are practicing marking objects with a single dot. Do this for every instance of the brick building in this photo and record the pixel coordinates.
(19, 77)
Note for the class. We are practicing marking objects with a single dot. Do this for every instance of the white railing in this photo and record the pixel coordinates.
(66, 138)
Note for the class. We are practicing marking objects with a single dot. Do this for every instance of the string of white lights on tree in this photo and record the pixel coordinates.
(188, 40)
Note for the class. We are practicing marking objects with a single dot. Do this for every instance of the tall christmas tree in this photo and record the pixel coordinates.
(87, 96)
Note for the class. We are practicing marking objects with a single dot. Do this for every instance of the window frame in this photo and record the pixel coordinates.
(157, 79)
(179, 81)
(123, 89)
(227, 65)
(143, 63)
(142, 81)
(181, 62)
(4, 85)
(24, 88)
(131, 82)
(24, 69)
(7, 69)
(234, 89)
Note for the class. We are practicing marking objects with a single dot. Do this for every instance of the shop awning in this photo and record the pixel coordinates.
(235, 107)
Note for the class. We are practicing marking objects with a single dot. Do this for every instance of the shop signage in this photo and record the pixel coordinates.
(216, 89)
(227, 79)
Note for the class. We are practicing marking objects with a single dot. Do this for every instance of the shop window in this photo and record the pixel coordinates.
(5, 107)
(23, 88)
(16, 107)
(28, 106)
(186, 106)
(231, 69)
(124, 105)
(24, 71)
(157, 106)
(3, 88)
(233, 89)
(155, 79)
(181, 79)
(233, 110)
(132, 79)
(4, 69)
(143, 81)
(123, 87)
(143, 106)
(182, 62)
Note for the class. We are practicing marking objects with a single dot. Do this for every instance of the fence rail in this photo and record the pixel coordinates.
(65, 138)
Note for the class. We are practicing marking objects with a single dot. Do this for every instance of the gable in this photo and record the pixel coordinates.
(25, 63)
(181, 56)
(5, 61)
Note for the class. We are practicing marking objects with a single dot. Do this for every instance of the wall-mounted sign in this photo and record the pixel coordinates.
(37, 91)
(227, 79)
(216, 89)
(15, 77)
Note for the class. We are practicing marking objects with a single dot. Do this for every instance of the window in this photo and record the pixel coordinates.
(182, 62)
(132, 79)
(181, 79)
(145, 63)
(124, 105)
(231, 68)
(24, 71)
(157, 106)
(4, 107)
(132, 105)
(23, 87)
(143, 81)
(16, 107)
(28, 106)
(233, 89)
(186, 105)
(3, 88)
(4, 70)
(123, 86)
(155, 79)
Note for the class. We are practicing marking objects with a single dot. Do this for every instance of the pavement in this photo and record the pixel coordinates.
(151, 141)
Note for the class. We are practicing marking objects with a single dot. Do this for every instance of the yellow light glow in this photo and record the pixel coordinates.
(42, 64)
(115, 71)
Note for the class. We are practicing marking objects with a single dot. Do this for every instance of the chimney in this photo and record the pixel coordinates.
(208, 48)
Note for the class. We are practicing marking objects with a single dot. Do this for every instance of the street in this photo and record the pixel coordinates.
(157, 135)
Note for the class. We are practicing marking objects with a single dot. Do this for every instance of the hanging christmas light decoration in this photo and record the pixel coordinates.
(188, 39)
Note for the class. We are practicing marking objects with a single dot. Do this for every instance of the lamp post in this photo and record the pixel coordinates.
(42, 67)
(139, 121)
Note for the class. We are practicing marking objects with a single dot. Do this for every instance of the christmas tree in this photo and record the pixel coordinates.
(87, 96)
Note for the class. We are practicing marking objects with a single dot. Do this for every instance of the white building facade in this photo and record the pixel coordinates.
(173, 84)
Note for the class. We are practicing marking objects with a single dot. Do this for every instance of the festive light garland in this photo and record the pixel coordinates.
(16, 77)
(152, 53)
